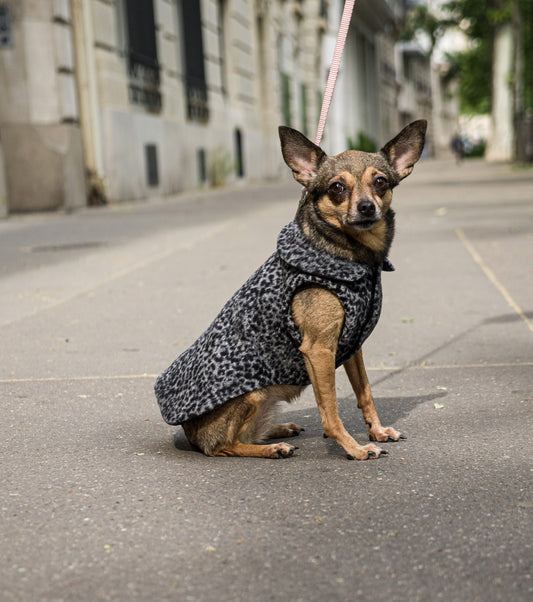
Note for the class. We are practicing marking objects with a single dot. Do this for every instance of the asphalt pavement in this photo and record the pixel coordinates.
(101, 500)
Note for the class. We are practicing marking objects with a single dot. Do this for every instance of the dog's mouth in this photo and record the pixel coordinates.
(361, 224)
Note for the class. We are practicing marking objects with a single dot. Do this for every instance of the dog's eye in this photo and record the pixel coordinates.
(381, 183)
(337, 188)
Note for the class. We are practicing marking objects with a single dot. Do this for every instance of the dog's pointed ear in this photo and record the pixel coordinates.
(403, 151)
(300, 154)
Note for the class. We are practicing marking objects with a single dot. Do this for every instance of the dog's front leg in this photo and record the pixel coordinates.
(319, 316)
(355, 368)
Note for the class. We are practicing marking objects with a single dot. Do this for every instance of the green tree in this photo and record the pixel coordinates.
(495, 72)
(493, 78)
(472, 66)
(421, 19)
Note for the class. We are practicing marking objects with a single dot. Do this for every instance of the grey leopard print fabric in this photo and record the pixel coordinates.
(253, 342)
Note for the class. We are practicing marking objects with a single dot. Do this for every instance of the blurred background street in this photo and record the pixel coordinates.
(105, 101)
(141, 183)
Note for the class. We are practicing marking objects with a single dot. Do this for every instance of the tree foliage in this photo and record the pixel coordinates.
(473, 69)
(527, 20)
(421, 19)
(479, 20)
(473, 66)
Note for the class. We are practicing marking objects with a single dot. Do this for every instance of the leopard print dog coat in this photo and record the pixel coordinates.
(253, 342)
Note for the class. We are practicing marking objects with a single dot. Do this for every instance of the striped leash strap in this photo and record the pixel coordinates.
(334, 69)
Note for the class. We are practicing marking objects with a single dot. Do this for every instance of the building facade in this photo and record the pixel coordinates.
(377, 94)
(124, 99)
(41, 145)
(199, 100)
(131, 98)
(362, 93)
(415, 100)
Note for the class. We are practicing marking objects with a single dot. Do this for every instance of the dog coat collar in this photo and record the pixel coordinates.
(295, 250)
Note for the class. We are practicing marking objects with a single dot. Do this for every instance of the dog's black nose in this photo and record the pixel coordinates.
(366, 208)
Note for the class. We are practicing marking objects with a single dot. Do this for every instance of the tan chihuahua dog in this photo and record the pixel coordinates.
(305, 312)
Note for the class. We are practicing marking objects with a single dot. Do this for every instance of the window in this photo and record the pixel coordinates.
(195, 84)
(141, 51)
(202, 166)
(239, 153)
(6, 39)
(222, 19)
(152, 169)
(285, 67)
(303, 108)
(286, 99)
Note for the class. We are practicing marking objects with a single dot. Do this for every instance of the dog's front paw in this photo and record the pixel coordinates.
(365, 452)
(385, 434)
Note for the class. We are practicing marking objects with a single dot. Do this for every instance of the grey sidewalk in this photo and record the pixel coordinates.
(98, 504)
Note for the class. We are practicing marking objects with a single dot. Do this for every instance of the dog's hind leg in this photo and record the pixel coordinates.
(286, 429)
(355, 369)
(264, 423)
(252, 450)
(256, 427)
(234, 428)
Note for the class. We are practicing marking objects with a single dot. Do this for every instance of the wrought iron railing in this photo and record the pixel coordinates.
(196, 95)
(144, 74)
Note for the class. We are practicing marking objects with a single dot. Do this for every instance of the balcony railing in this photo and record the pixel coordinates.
(144, 81)
(196, 95)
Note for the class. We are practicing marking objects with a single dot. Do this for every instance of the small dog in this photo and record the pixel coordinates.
(305, 311)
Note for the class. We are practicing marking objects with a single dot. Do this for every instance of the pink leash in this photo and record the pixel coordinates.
(334, 69)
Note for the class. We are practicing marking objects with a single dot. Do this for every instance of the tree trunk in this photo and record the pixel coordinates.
(501, 145)
(520, 121)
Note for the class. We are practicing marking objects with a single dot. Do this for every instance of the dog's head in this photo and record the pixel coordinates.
(353, 190)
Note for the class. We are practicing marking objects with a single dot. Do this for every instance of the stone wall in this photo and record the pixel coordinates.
(38, 116)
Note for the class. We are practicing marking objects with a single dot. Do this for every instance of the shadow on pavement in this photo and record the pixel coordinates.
(501, 319)
(507, 318)
(390, 410)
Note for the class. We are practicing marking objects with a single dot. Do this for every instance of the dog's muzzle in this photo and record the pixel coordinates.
(367, 216)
